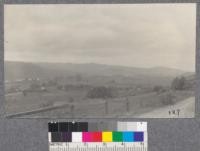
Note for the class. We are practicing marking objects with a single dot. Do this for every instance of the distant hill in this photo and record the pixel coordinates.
(21, 70)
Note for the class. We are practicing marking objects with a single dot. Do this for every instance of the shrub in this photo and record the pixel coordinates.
(100, 92)
(71, 99)
(158, 89)
(179, 83)
(59, 87)
(34, 86)
(52, 83)
(167, 99)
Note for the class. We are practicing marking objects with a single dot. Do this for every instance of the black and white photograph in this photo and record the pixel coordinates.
(100, 60)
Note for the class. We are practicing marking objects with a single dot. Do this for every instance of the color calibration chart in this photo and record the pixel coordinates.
(99, 136)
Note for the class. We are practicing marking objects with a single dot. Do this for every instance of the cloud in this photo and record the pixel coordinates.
(133, 35)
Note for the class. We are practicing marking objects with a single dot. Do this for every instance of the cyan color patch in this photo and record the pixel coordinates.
(128, 136)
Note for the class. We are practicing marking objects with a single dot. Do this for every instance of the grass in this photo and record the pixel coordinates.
(140, 102)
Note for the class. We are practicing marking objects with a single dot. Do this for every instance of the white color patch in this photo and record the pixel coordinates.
(76, 136)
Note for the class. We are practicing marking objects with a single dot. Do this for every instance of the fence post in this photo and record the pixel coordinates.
(72, 110)
(106, 107)
(127, 105)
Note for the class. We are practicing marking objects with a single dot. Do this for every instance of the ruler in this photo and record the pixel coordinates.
(98, 147)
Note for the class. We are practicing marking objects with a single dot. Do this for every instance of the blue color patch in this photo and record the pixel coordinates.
(139, 136)
(128, 137)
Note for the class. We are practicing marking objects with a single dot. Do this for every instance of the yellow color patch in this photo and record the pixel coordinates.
(107, 136)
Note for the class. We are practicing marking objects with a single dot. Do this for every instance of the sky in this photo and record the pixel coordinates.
(135, 35)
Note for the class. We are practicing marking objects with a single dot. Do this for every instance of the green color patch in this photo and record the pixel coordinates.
(117, 137)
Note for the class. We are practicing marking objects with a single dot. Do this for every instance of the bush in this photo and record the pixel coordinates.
(167, 99)
(158, 89)
(59, 87)
(52, 83)
(34, 86)
(71, 99)
(179, 83)
(100, 92)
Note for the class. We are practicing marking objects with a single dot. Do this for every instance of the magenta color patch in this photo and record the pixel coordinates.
(87, 137)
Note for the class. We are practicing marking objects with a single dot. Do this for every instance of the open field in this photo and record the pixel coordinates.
(129, 106)
(66, 90)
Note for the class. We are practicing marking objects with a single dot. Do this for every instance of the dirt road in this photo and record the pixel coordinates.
(186, 109)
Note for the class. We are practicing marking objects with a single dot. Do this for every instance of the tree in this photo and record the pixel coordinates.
(100, 92)
(182, 83)
(158, 89)
(59, 87)
(175, 82)
(179, 83)
(78, 77)
(34, 86)
(24, 92)
(168, 98)
(52, 82)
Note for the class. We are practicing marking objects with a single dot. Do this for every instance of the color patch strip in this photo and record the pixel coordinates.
(68, 127)
(98, 126)
(92, 136)
(131, 126)
(109, 136)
